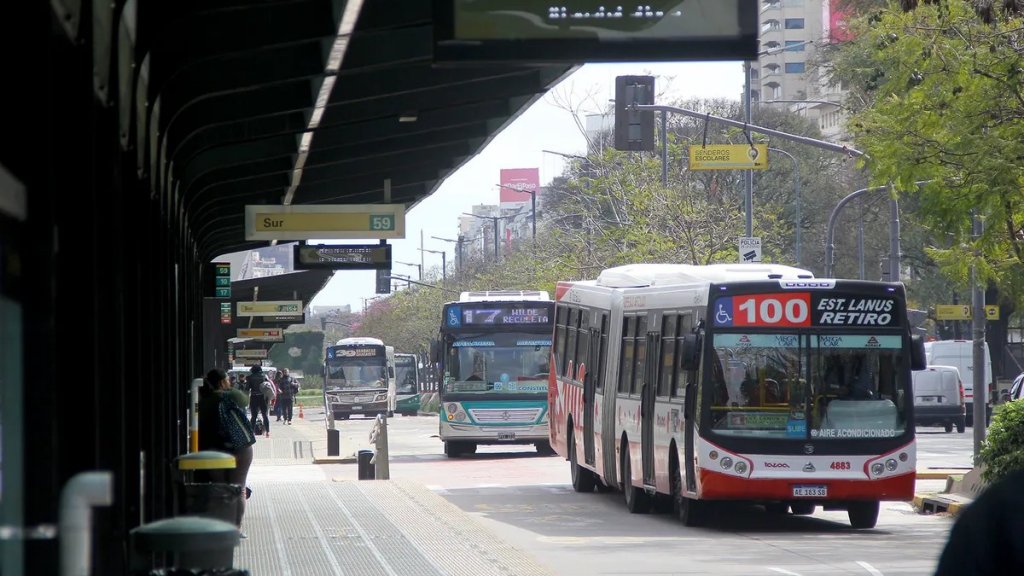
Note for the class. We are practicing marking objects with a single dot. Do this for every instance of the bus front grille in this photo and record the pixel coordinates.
(505, 415)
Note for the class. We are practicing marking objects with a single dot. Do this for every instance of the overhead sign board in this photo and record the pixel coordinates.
(729, 157)
(262, 334)
(963, 312)
(343, 257)
(271, 308)
(225, 312)
(285, 319)
(953, 311)
(306, 222)
(750, 249)
(251, 353)
(579, 31)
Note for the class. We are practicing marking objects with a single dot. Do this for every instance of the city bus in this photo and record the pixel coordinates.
(493, 352)
(359, 378)
(685, 385)
(407, 384)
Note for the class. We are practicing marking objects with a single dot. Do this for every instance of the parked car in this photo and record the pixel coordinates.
(939, 398)
(960, 354)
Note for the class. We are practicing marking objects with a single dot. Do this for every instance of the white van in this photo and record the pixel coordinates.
(960, 354)
(939, 398)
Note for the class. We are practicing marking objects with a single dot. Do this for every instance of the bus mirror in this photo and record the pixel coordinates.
(690, 353)
(435, 352)
(918, 361)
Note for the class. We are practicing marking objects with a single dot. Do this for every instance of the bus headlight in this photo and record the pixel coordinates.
(460, 416)
(877, 468)
(451, 408)
(380, 397)
(725, 463)
(890, 465)
(741, 467)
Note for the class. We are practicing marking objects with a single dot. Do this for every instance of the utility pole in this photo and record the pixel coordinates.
(749, 194)
(980, 414)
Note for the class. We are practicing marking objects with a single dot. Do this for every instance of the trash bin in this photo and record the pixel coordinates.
(364, 460)
(186, 542)
(213, 500)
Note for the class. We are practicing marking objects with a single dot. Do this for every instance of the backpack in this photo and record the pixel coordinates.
(234, 426)
(267, 388)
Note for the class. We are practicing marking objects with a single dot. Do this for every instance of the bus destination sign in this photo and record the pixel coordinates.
(339, 353)
(493, 315)
(796, 309)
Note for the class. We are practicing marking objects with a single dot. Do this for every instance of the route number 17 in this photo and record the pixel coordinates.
(792, 309)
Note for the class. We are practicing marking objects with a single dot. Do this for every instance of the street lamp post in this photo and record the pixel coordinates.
(444, 262)
(533, 206)
(796, 191)
(411, 281)
(494, 219)
(419, 268)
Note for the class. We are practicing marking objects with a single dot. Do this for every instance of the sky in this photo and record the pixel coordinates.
(544, 126)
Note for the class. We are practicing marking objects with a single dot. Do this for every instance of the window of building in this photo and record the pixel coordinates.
(770, 25)
(795, 45)
(794, 23)
(794, 67)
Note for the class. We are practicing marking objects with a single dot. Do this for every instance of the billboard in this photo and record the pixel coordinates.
(512, 180)
(838, 19)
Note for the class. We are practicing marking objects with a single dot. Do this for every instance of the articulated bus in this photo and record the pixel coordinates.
(359, 378)
(407, 384)
(493, 351)
(687, 385)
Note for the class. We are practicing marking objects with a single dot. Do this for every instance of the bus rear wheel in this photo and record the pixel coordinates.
(863, 514)
(582, 479)
(544, 449)
(637, 501)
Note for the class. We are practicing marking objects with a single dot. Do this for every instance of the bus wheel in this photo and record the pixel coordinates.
(454, 449)
(960, 424)
(692, 512)
(637, 501)
(582, 479)
(776, 508)
(544, 449)
(863, 514)
(802, 508)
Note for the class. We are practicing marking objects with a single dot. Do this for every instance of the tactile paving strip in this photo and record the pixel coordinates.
(386, 528)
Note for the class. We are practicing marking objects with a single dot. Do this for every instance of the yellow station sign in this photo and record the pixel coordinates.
(270, 308)
(963, 312)
(729, 157)
(307, 222)
(265, 334)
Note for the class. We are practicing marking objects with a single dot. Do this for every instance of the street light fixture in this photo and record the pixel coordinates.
(419, 267)
(495, 221)
(444, 262)
(533, 205)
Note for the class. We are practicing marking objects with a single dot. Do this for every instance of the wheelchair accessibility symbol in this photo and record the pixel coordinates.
(454, 317)
(722, 316)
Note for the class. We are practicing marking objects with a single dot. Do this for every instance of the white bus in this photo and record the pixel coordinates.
(359, 378)
(493, 353)
(691, 384)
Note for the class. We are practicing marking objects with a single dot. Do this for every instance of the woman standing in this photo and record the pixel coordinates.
(214, 436)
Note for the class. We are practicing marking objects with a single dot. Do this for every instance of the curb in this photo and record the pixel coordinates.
(940, 473)
(334, 460)
(936, 504)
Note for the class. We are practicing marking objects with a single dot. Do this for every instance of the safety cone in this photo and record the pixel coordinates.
(301, 413)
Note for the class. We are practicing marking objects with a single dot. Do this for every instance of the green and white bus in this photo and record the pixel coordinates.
(407, 384)
(494, 353)
(359, 378)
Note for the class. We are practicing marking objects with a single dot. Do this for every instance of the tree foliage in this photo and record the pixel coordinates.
(943, 99)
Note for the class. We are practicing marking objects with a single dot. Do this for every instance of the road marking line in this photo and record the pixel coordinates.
(871, 569)
(783, 571)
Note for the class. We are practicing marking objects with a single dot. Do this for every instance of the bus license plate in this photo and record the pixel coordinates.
(506, 435)
(810, 491)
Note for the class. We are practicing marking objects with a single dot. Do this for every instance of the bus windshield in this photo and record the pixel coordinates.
(356, 373)
(405, 374)
(508, 363)
(760, 386)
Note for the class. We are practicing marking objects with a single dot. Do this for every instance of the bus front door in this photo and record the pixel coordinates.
(647, 394)
(589, 385)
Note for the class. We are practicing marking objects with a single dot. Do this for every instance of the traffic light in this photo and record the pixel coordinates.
(634, 129)
(384, 281)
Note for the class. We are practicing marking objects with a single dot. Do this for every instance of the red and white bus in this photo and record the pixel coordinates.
(694, 384)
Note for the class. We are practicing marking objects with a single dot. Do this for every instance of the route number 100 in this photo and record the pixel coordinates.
(774, 310)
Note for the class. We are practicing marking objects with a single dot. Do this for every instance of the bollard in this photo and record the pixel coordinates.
(333, 442)
(364, 463)
(379, 437)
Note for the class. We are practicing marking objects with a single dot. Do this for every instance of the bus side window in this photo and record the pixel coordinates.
(583, 343)
(667, 383)
(626, 359)
(640, 354)
(572, 333)
(560, 319)
(602, 354)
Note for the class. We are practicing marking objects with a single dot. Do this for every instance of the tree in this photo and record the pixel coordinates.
(943, 94)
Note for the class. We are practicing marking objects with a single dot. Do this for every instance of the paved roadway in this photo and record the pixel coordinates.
(526, 501)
